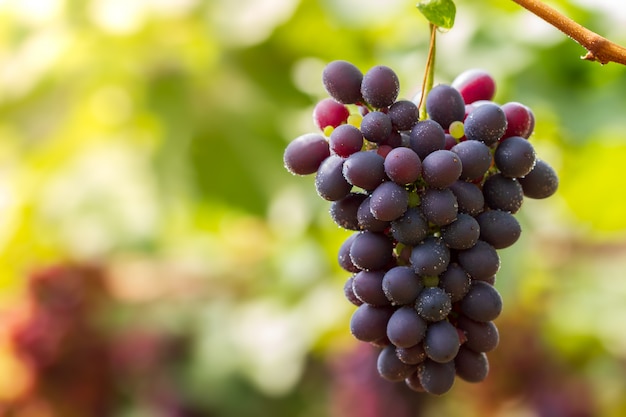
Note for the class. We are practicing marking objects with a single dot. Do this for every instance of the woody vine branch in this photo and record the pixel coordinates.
(598, 48)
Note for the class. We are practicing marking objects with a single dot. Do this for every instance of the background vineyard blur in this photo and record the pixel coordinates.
(157, 260)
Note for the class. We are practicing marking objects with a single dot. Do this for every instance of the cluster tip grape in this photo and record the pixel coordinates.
(430, 202)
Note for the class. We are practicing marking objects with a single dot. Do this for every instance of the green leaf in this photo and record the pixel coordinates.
(440, 13)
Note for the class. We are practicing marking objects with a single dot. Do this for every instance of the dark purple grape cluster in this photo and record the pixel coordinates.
(430, 203)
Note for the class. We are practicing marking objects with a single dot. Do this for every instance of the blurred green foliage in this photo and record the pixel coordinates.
(148, 136)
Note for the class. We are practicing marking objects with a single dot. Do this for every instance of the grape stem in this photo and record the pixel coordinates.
(429, 74)
(598, 48)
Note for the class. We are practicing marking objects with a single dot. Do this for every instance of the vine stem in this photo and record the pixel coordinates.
(598, 48)
(429, 74)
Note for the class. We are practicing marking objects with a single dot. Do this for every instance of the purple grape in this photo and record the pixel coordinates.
(430, 257)
(413, 382)
(444, 105)
(401, 285)
(403, 166)
(403, 114)
(503, 193)
(469, 197)
(367, 286)
(482, 336)
(366, 219)
(482, 302)
(540, 182)
(462, 233)
(439, 206)
(441, 342)
(344, 211)
(371, 251)
(329, 181)
(433, 304)
(380, 86)
(450, 142)
(481, 261)
(389, 201)
(475, 158)
(343, 255)
(455, 281)
(364, 169)
(471, 366)
(394, 140)
(383, 150)
(376, 126)
(411, 228)
(412, 355)
(305, 154)
(349, 293)
(369, 323)
(427, 136)
(342, 81)
(345, 140)
(405, 327)
(515, 157)
(441, 168)
(486, 123)
(498, 228)
(436, 378)
(390, 367)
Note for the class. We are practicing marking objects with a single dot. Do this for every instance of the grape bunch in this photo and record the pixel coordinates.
(430, 202)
